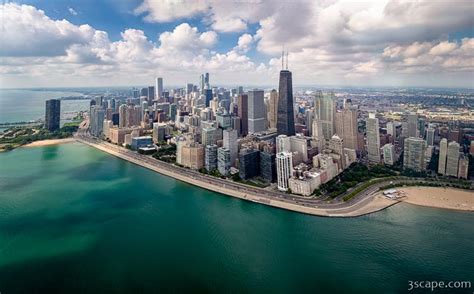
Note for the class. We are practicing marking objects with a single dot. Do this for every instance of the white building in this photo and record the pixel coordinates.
(284, 167)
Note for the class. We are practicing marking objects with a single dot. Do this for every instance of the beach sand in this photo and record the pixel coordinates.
(449, 198)
(49, 142)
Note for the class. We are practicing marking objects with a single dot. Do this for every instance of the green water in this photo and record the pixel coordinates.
(76, 220)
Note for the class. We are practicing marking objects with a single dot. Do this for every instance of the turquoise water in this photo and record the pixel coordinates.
(26, 105)
(76, 220)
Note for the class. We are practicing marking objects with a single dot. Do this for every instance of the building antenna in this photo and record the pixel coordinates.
(286, 60)
(282, 56)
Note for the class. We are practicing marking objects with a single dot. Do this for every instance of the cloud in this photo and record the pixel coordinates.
(72, 11)
(27, 31)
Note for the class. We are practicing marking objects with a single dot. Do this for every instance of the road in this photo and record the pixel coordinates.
(251, 193)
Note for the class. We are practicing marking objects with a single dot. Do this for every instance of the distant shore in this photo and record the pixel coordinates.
(49, 142)
(437, 197)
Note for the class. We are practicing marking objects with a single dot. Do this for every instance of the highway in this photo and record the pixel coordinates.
(251, 193)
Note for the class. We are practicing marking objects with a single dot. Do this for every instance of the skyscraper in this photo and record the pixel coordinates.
(412, 125)
(389, 154)
(256, 112)
(230, 142)
(346, 127)
(159, 88)
(273, 109)
(284, 167)
(210, 157)
(430, 135)
(285, 116)
(223, 161)
(373, 138)
(53, 114)
(443, 152)
(242, 105)
(249, 163)
(452, 161)
(414, 154)
(325, 107)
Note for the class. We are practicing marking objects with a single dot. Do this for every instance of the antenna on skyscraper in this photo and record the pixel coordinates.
(286, 60)
(282, 56)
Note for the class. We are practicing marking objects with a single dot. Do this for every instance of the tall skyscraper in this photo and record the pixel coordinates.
(285, 116)
(412, 125)
(414, 154)
(273, 109)
(210, 157)
(284, 167)
(325, 107)
(52, 115)
(373, 138)
(122, 116)
(452, 161)
(223, 161)
(443, 153)
(256, 112)
(249, 163)
(242, 105)
(463, 167)
(159, 88)
(346, 127)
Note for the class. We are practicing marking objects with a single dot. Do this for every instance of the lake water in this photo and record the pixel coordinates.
(76, 220)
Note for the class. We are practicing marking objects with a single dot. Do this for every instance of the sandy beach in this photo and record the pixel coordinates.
(49, 142)
(449, 198)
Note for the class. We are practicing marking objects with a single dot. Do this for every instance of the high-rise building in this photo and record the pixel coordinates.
(249, 163)
(267, 166)
(463, 167)
(256, 112)
(151, 94)
(122, 116)
(284, 167)
(443, 153)
(412, 121)
(389, 154)
(346, 127)
(210, 157)
(159, 88)
(452, 161)
(223, 161)
(242, 105)
(285, 116)
(192, 155)
(230, 137)
(208, 136)
(414, 154)
(283, 143)
(52, 115)
(273, 109)
(373, 138)
(325, 107)
(97, 117)
(430, 136)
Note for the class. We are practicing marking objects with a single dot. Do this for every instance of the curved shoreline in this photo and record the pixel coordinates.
(439, 197)
(365, 206)
(371, 203)
(49, 142)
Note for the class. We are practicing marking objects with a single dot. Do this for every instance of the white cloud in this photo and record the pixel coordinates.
(330, 42)
(72, 11)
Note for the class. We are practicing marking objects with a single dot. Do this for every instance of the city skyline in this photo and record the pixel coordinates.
(336, 45)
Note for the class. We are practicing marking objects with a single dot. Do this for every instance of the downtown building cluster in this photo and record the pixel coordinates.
(269, 136)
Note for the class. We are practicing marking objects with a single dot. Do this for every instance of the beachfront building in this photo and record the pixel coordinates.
(373, 138)
(389, 154)
(284, 167)
(192, 155)
(452, 161)
(443, 153)
(463, 169)
(249, 163)
(414, 154)
(142, 141)
(223, 161)
(52, 115)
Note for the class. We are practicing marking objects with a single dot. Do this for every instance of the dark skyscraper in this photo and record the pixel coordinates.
(285, 116)
(53, 113)
(242, 105)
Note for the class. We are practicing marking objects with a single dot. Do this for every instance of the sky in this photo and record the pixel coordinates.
(88, 43)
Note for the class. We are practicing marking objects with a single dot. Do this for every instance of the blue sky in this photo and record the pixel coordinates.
(372, 43)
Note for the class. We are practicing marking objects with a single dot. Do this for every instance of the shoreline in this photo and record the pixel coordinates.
(366, 206)
(439, 197)
(49, 142)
